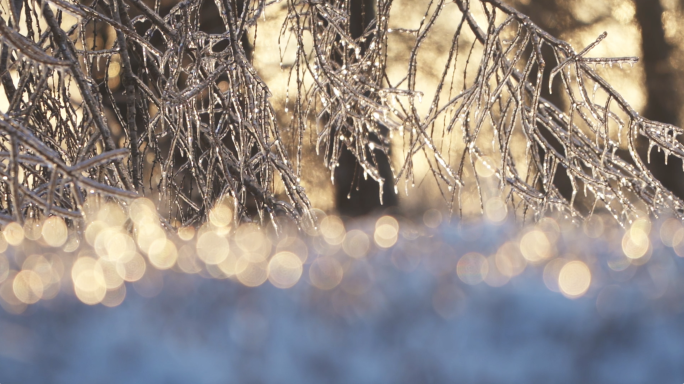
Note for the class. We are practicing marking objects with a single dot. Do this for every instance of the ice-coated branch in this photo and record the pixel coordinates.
(170, 111)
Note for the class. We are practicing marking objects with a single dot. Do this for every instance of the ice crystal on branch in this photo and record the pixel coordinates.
(122, 98)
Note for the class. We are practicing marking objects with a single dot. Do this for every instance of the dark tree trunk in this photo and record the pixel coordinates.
(662, 99)
(354, 195)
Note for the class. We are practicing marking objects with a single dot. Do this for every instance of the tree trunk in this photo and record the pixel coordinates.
(355, 195)
(662, 99)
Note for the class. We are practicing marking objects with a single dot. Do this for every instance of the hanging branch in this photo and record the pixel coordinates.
(193, 123)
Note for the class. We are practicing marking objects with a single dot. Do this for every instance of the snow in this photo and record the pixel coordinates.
(217, 331)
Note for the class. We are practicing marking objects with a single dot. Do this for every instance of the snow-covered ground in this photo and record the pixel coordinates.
(403, 327)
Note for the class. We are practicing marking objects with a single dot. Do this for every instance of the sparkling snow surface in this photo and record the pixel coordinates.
(407, 327)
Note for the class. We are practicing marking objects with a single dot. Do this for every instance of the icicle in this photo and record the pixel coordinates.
(380, 188)
(650, 147)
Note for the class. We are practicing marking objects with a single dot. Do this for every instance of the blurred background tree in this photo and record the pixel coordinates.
(356, 195)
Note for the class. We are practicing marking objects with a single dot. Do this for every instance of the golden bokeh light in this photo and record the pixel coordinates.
(551, 273)
(295, 245)
(107, 240)
(162, 254)
(215, 271)
(221, 215)
(325, 273)
(114, 69)
(223, 85)
(188, 261)
(212, 248)
(356, 244)
(148, 234)
(535, 246)
(550, 227)
(89, 280)
(668, 230)
(227, 266)
(4, 268)
(33, 229)
(13, 233)
(309, 226)
(55, 231)
(114, 244)
(643, 224)
(635, 242)
(141, 210)
(3, 244)
(50, 268)
(251, 274)
(509, 260)
(133, 269)
(110, 274)
(485, 166)
(186, 233)
(72, 244)
(677, 242)
(332, 229)
(112, 214)
(28, 287)
(114, 297)
(386, 232)
(284, 270)
(93, 229)
(574, 279)
(472, 268)
(9, 300)
(252, 241)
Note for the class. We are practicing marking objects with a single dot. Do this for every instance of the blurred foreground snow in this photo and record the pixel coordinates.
(402, 327)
